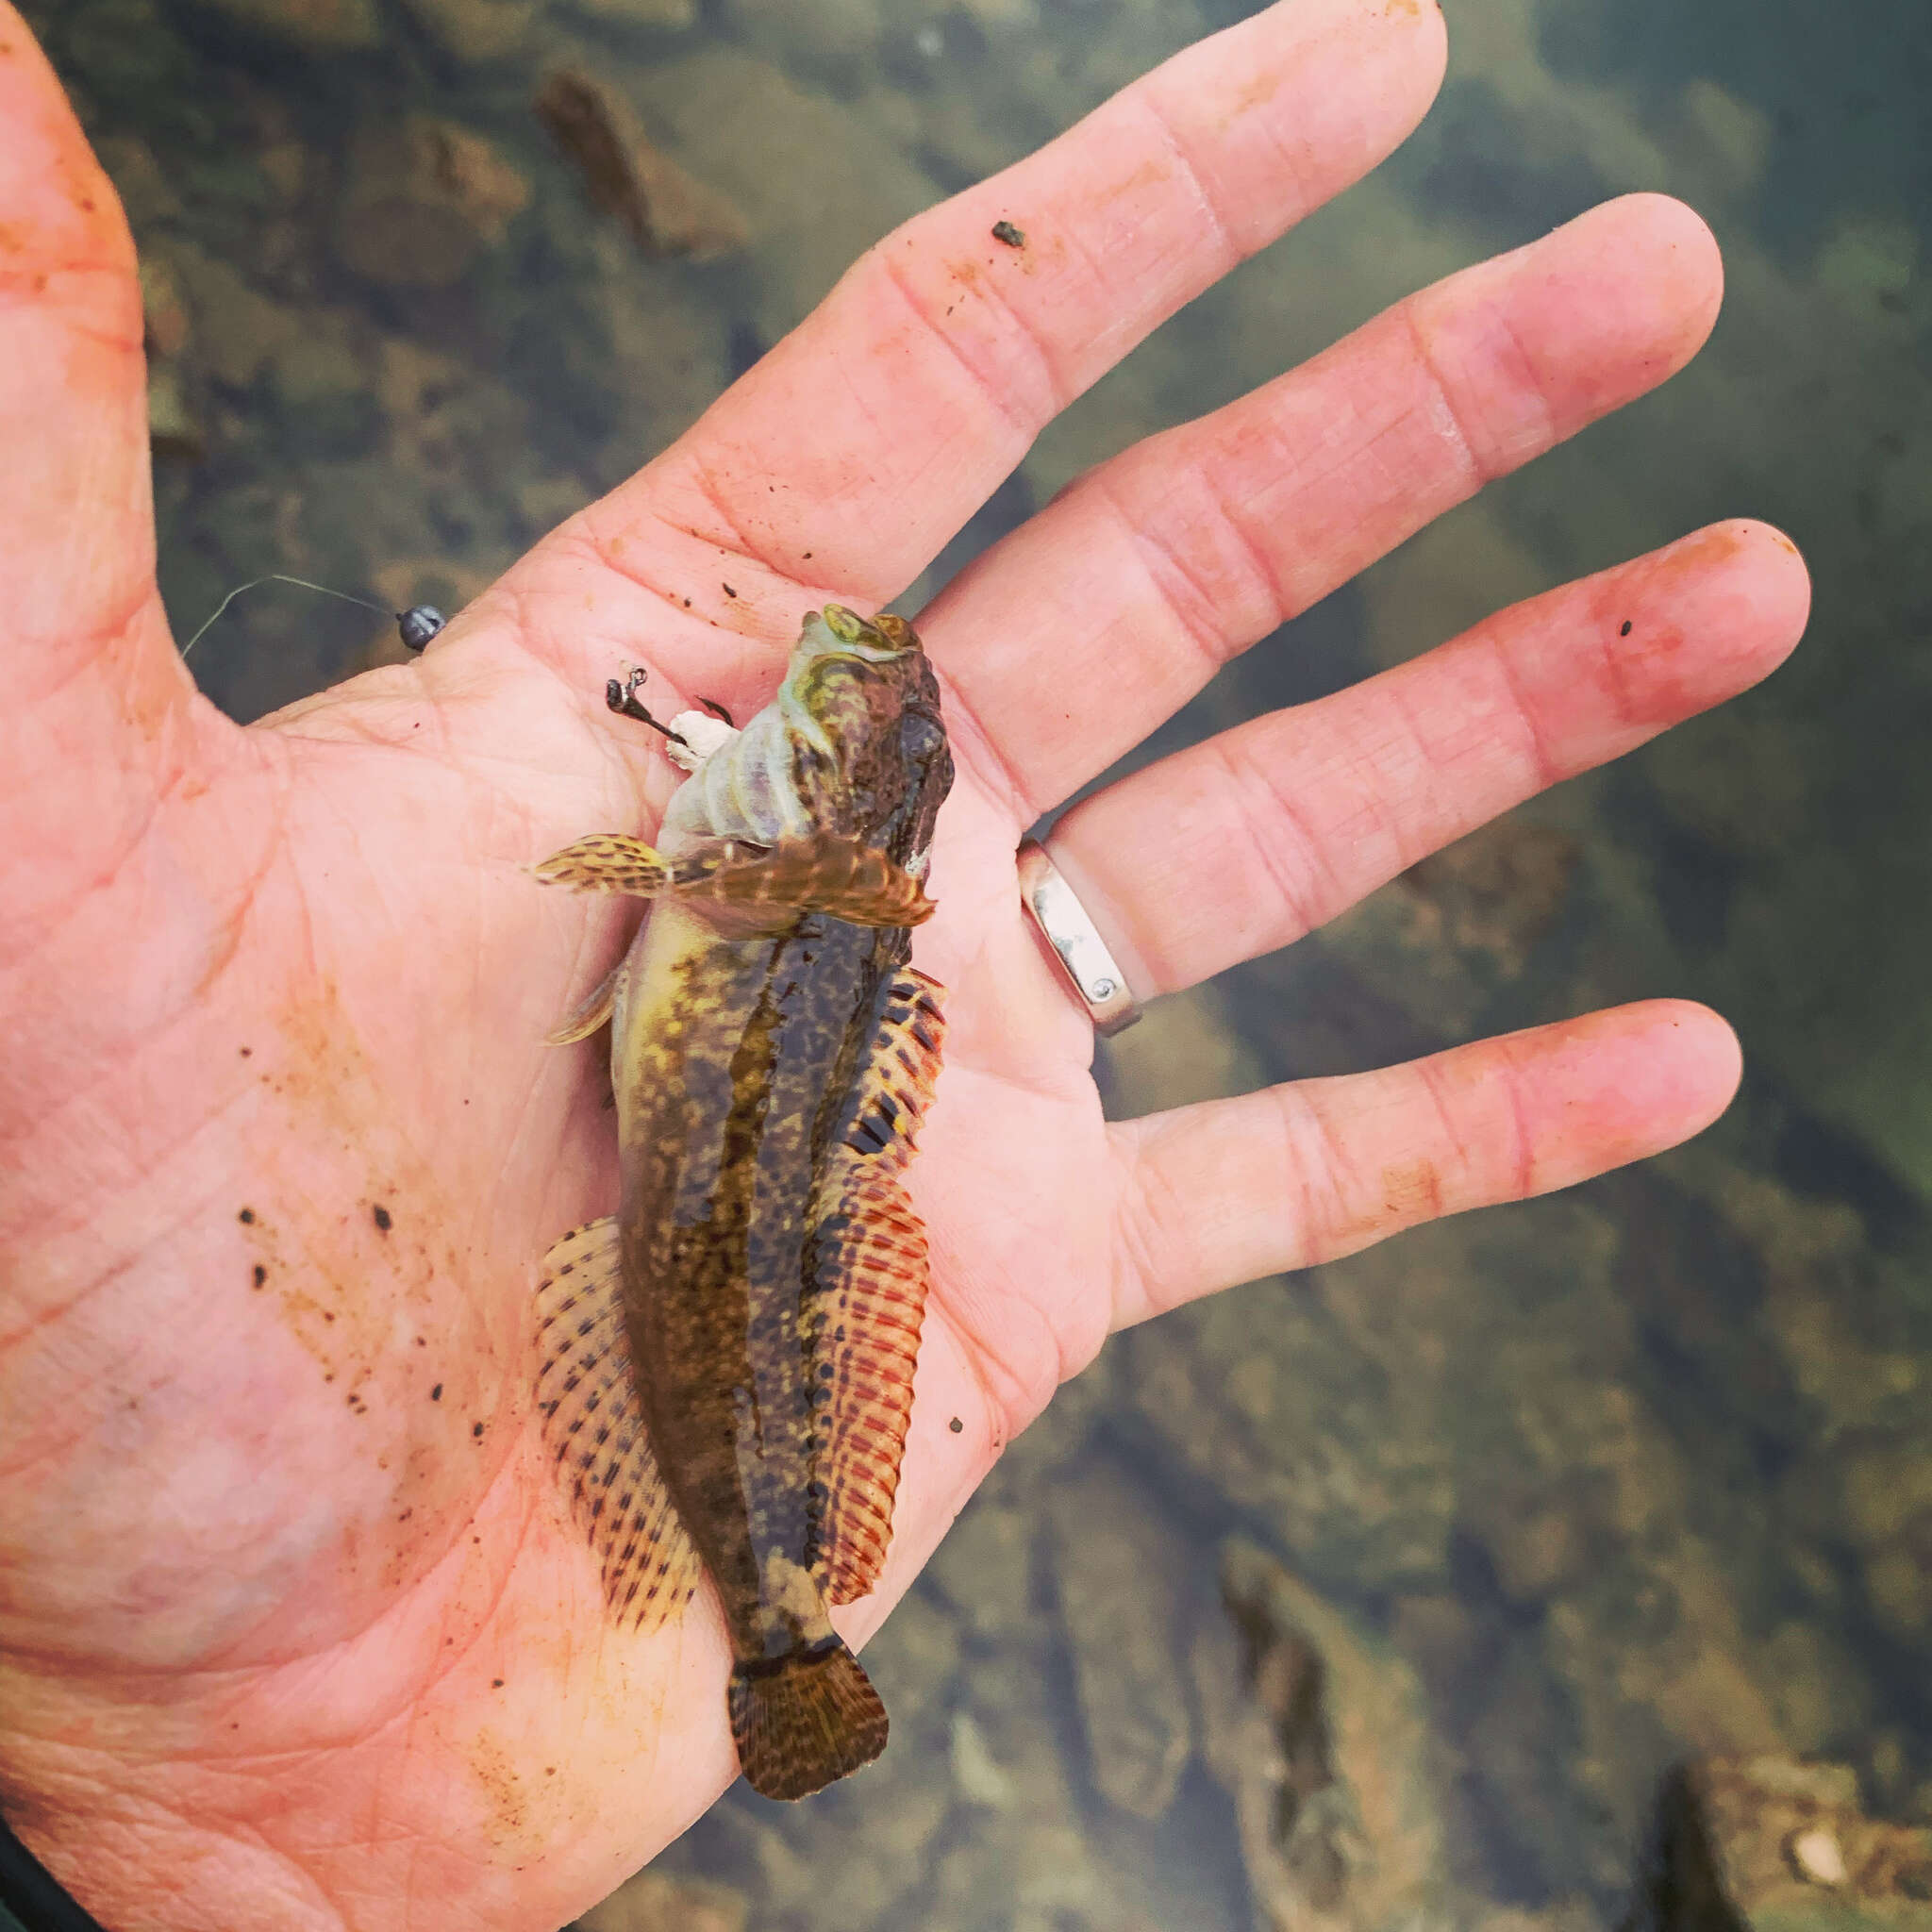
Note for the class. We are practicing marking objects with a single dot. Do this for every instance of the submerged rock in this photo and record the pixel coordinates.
(667, 211)
(165, 322)
(1319, 1735)
(1498, 890)
(1464, 925)
(1773, 1843)
(818, 186)
(831, 38)
(912, 1660)
(1115, 1564)
(233, 329)
(670, 14)
(1275, 1398)
(146, 194)
(976, 1773)
(475, 30)
(173, 427)
(324, 393)
(1010, 1755)
(1024, 1873)
(984, 1570)
(1187, 1048)
(654, 1902)
(320, 27)
(425, 199)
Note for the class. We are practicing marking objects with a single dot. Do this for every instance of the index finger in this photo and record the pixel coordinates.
(848, 455)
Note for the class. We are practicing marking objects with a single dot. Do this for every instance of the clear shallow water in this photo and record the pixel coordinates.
(1558, 1495)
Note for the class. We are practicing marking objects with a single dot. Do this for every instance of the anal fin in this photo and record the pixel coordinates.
(595, 1427)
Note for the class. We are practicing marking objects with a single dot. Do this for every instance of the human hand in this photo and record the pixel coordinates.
(295, 1627)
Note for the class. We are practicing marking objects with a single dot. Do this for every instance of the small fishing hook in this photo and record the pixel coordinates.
(621, 694)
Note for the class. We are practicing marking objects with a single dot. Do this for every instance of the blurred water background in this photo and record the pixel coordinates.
(1458, 1583)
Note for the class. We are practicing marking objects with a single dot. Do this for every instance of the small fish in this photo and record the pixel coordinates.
(727, 1372)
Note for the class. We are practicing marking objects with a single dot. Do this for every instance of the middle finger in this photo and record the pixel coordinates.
(1156, 566)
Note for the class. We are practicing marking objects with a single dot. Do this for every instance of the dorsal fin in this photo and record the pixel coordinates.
(593, 1422)
(867, 1259)
(904, 1066)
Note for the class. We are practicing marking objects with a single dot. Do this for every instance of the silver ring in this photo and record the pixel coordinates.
(1074, 942)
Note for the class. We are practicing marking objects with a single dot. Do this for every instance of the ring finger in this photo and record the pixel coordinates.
(1241, 844)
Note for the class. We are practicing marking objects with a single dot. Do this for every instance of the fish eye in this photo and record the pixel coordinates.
(920, 737)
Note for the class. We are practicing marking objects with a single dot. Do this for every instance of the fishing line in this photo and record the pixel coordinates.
(416, 625)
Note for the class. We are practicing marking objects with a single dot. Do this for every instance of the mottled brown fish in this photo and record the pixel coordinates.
(727, 1372)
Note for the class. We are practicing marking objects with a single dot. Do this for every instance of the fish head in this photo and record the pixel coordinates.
(870, 759)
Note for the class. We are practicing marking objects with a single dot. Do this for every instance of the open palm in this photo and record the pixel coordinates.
(294, 1626)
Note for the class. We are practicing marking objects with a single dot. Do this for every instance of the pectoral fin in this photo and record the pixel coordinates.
(735, 884)
(608, 862)
(749, 887)
(595, 1429)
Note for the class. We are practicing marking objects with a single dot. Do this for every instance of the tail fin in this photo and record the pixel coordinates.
(803, 1720)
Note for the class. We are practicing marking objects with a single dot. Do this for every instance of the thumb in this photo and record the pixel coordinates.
(93, 699)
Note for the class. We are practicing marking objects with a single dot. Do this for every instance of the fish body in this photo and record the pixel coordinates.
(762, 1284)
